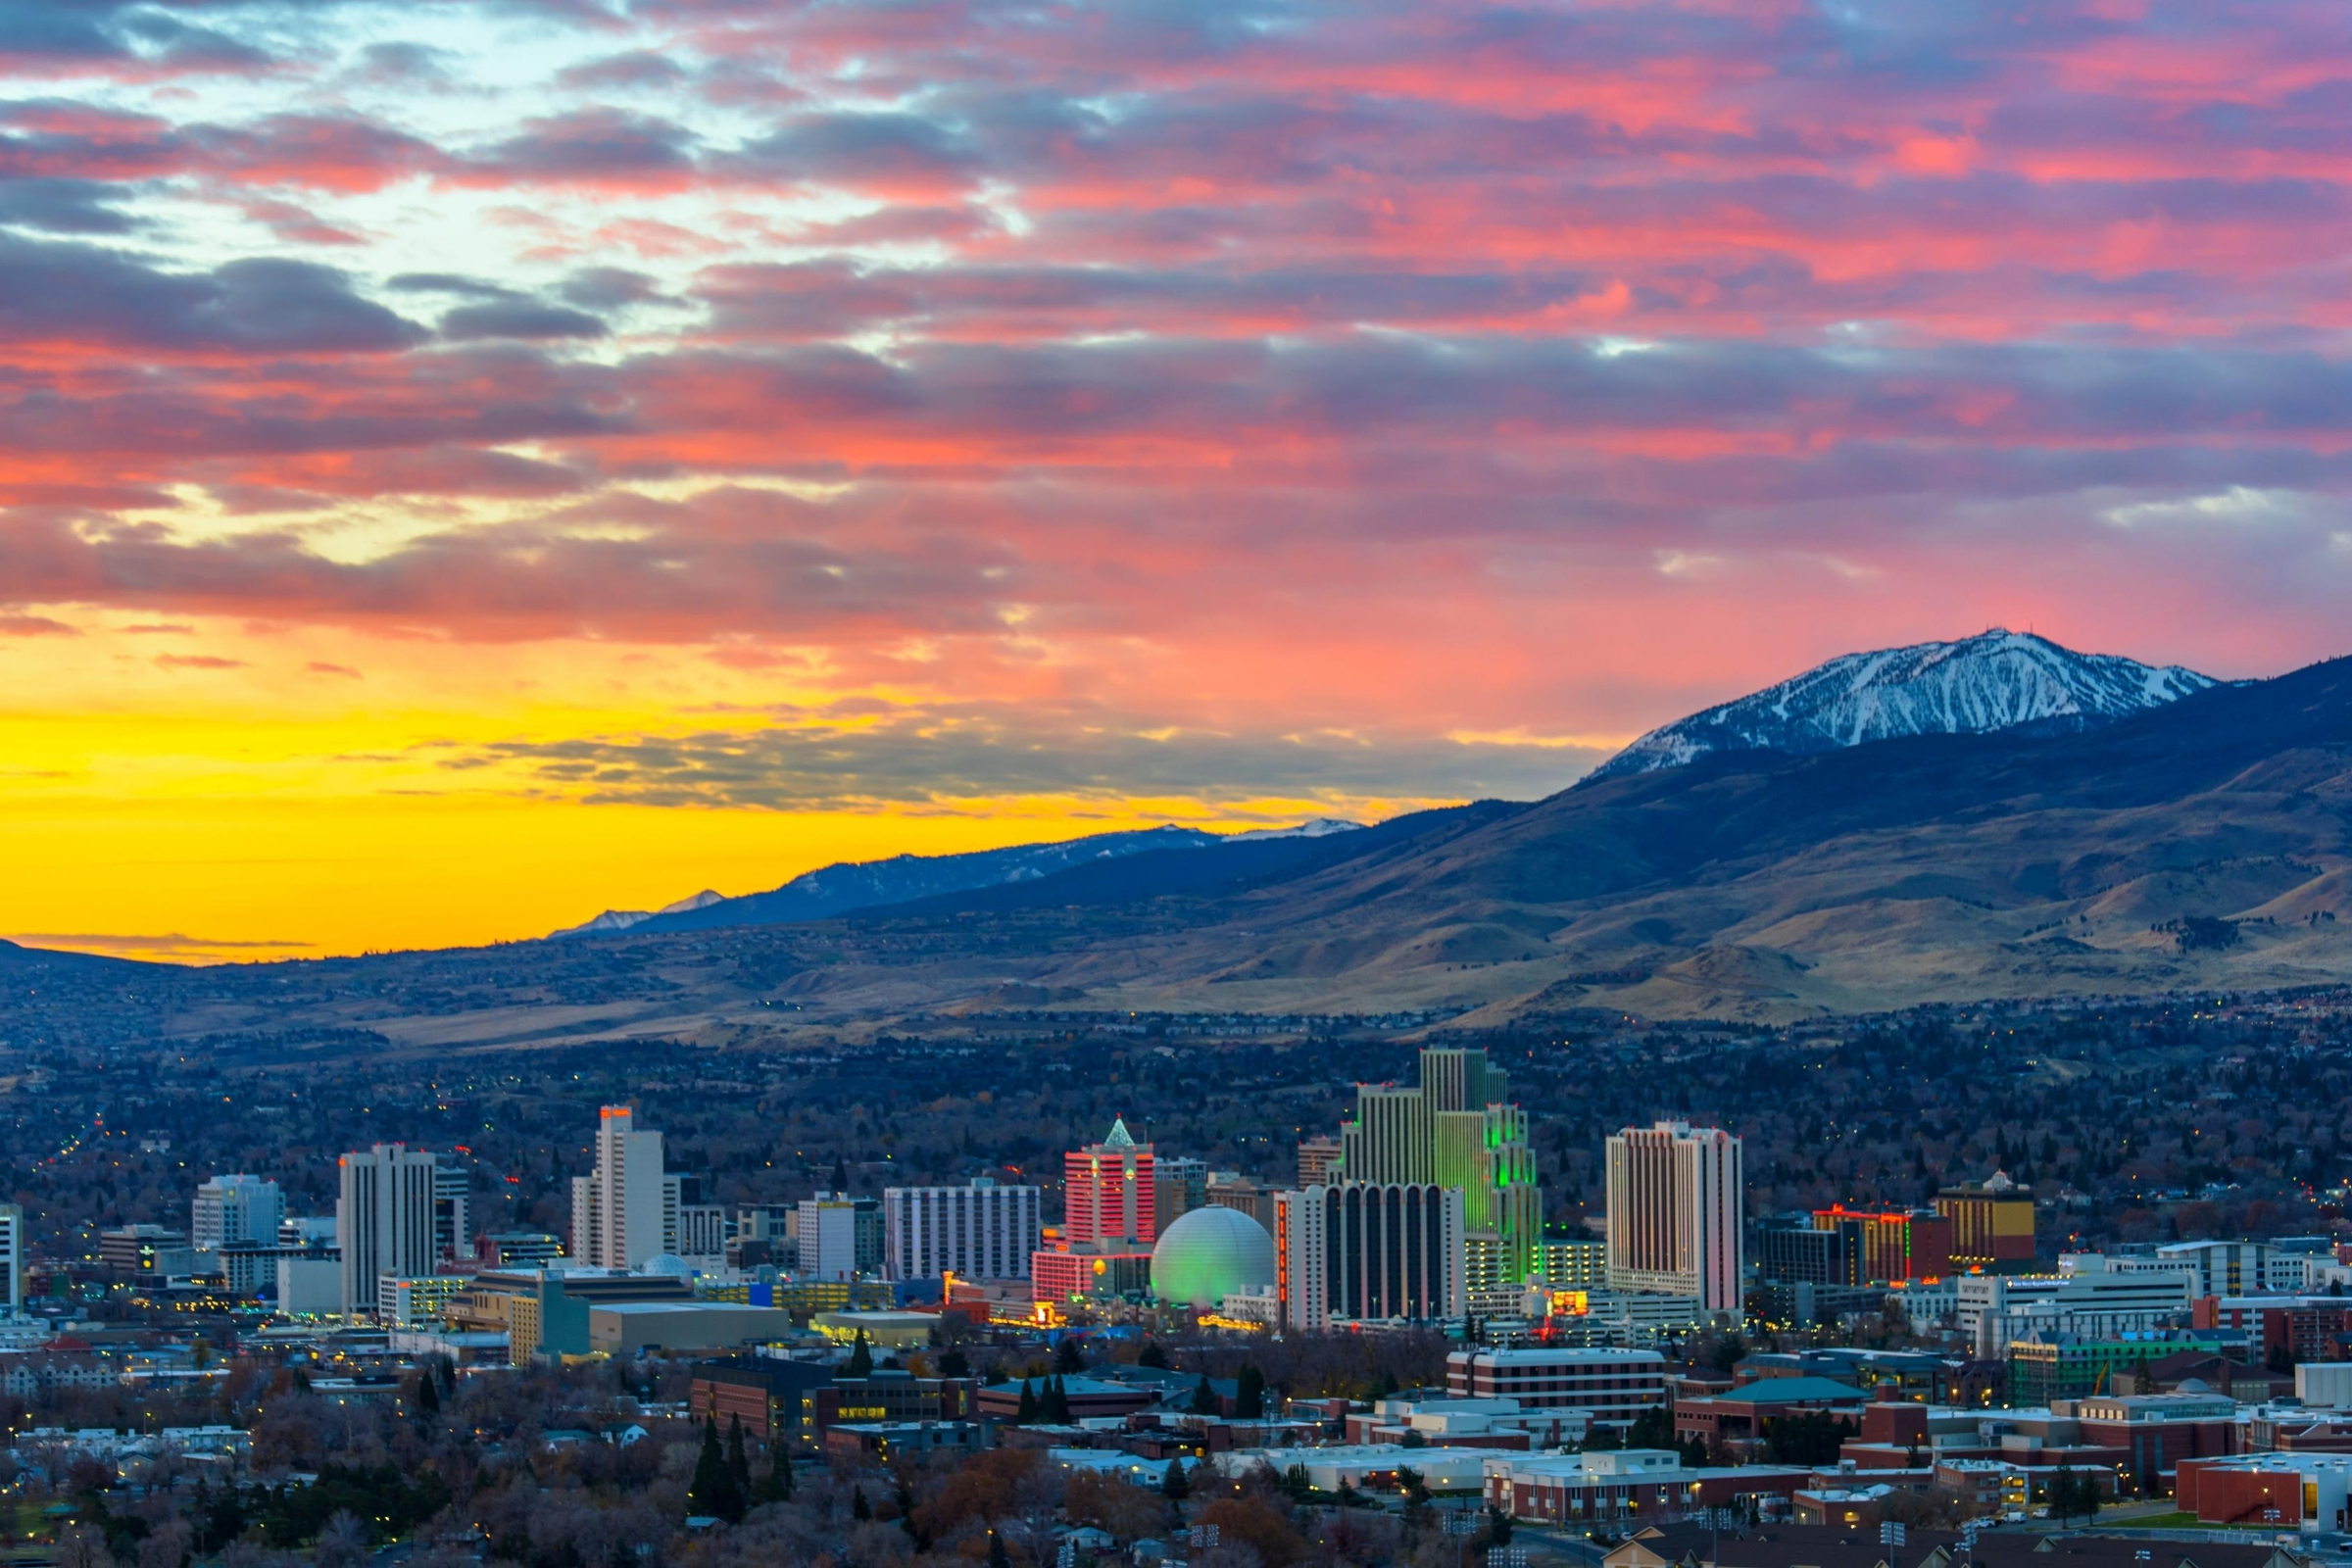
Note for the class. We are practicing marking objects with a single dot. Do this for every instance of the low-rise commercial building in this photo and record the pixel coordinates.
(415, 1302)
(890, 1439)
(2324, 1385)
(2292, 1328)
(773, 1398)
(1500, 1423)
(881, 1331)
(1618, 1487)
(1088, 1397)
(2069, 1366)
(1081, 1274)
(1909, 1374)
(1738, 1419)
(2223, 1268)
(626, 1328)
(2089, 1303)
(1613, 1386)
(2310, 1492)
(2151, 1435)
(146, 1252)
(544, 1311)
(1364, 1466)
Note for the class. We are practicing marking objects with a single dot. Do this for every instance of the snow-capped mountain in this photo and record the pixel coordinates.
(622, 919)
(1999, 681)
(1321, 827)
(901, 880)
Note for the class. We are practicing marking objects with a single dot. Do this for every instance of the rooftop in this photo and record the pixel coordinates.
(1793, 1391)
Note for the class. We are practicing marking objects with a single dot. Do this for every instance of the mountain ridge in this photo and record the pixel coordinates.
(2202, 847)
(1997, 680)
(847, 886)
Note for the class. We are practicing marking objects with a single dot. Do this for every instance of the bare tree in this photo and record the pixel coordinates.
(344, 1540)
(165, 1546)
(81, 1547)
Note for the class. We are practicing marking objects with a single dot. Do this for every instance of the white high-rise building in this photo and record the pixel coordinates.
(626, 1211)
(11, 1261)
(396, 1206)
(1369, 1250)
(1676, 1213)
(235, 1209)
(839, 1237)
(978, 1232)
(703, 1234)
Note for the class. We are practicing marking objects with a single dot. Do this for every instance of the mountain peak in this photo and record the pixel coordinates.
(623, 919)
(1998, 679)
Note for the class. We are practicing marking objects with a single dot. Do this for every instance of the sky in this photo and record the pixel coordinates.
(468, 464)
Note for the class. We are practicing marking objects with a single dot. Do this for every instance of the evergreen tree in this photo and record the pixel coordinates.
(1498, 1527)
(1174, 1486)
(2073, 1495)
(449, 1376)
(713, 1490)
(954, 1363)
(841, 1175)
(1250, 1393)
(1153, 1357)
(1056, 1403)
(776, 1485)
(428, 1398)
(1067, 1357)
(1026, 1414)
(861, 1358)
(1204, 1398)
(860, 1508)
(997, 1557)
(904, 1496)
(739, 1463)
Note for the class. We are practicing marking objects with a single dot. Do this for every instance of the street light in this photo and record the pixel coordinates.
(1461, 1525)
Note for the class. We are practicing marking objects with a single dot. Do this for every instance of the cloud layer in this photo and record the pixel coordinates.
(1243, 397)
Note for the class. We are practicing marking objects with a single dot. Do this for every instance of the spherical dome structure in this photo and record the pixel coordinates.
(1210, 1253)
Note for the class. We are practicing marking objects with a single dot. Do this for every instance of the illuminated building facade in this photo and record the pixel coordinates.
(1894, 1244)
(1677, 1213)
(1456, 1129)
(1107, 1192)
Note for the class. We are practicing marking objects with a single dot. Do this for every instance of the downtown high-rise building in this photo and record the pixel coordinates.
(1371, 1252)
(976, 1232)
(11, 1262)
(399, 1211)
(1319, 1160)
(235, 1209)
(1179, 1185)
(838, 1237)
(1107, 1192)
(1456, 1128)
(1676, 1213)
(625, 1211)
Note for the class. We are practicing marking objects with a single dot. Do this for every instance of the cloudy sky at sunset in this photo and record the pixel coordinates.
(467, 464)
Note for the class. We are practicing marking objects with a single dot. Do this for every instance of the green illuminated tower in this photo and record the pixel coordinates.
(1456, 1129)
